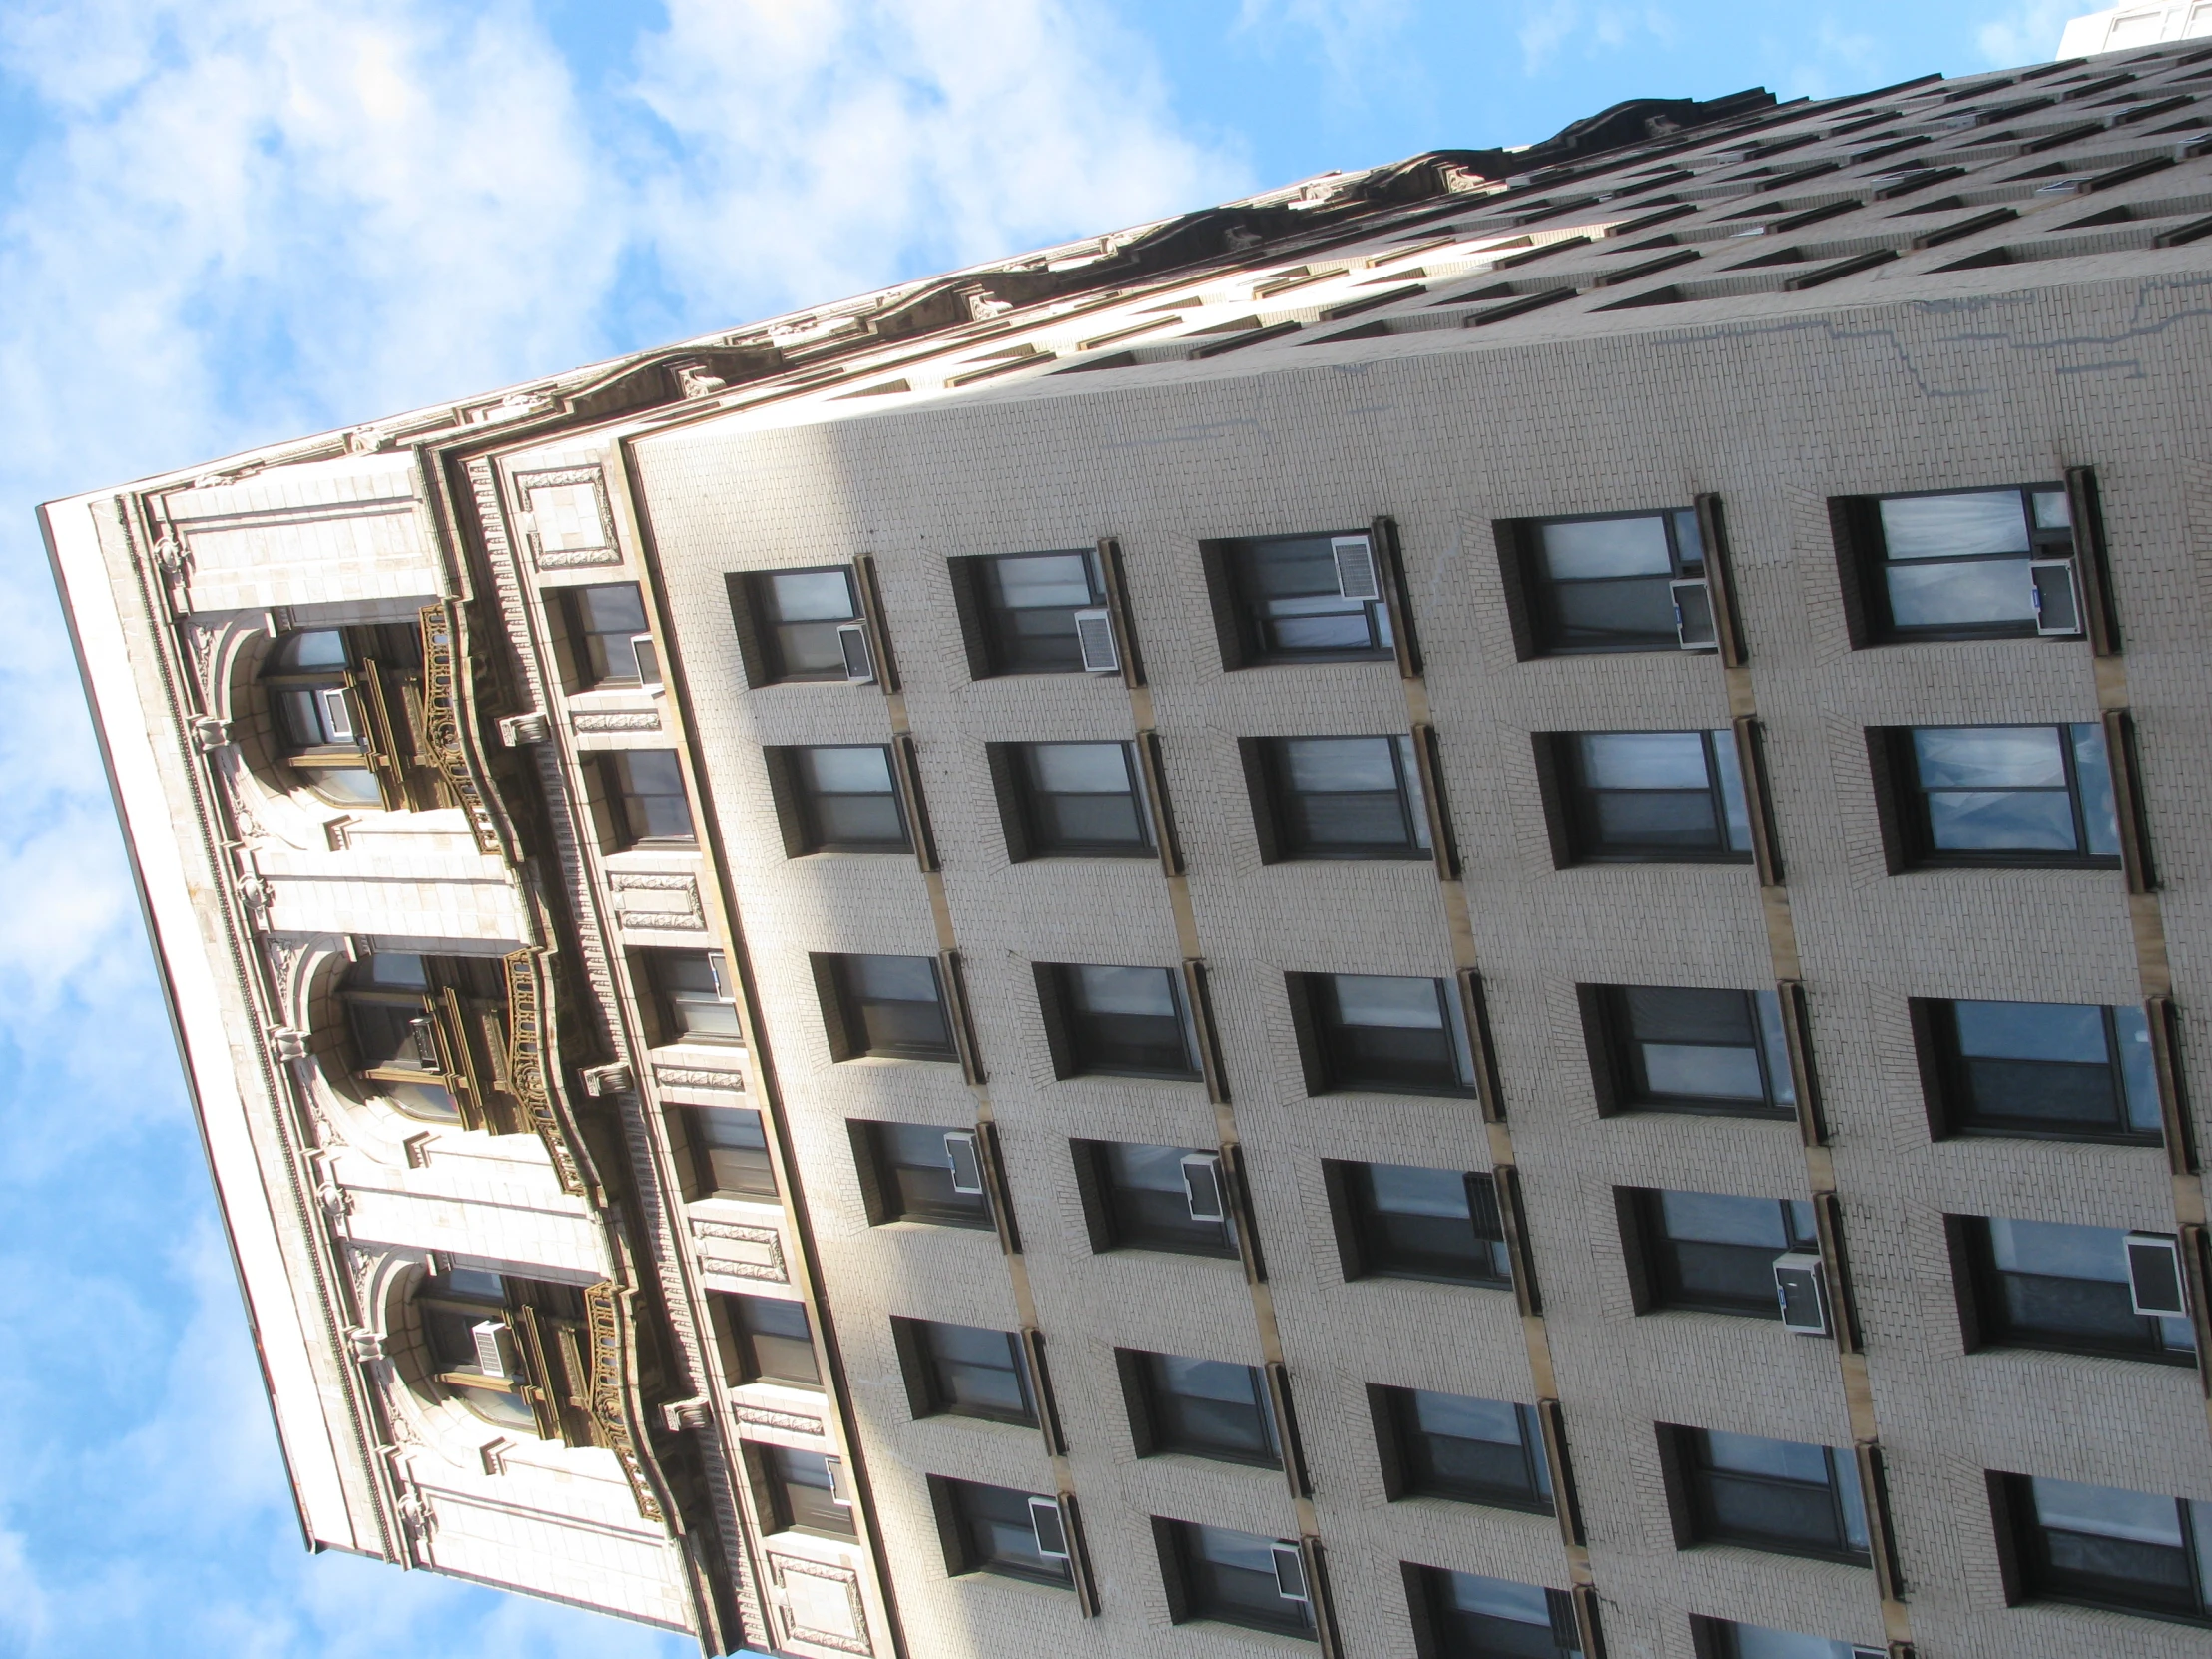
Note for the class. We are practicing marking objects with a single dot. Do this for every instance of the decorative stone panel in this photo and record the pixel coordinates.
(658, 903)
(820, 1603)
(571, 523)
(741, 1252)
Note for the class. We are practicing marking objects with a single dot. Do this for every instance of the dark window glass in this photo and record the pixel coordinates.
(425, 1027)
(915, 1174)
(1209, 1409)
(2037, 796)
(731, 1148)
(2075, 1071)
(775, 1342)
(2108, 1547)
(317, 690)
(970, 1372)
(1232, 1576)
(1146, 1202)
(1126, 1022)
(1029, 604)
(1391, 1035)
(602, 623)
(994, 1534)
(1655, 798)
(1475, 1451)
(1347, 798)
(698, 1002)
(802, 1497)
(1083, 800)
(1754, 1641)
(1681, 1049)
(1957, 566)
(846, 800)
(1413, 1223)
(646, 787)
(2041, 1283)
(1607, 583)
(1290, 606)
(1780, 1495)
(466, 1325)
(1494, 1618)
(894, 1008)
(797, 612)
(1717, 1253)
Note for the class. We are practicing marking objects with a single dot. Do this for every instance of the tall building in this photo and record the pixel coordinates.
(1456, 912)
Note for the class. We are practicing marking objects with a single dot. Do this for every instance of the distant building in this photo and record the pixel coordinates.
(1456, 912)
(2124, 28)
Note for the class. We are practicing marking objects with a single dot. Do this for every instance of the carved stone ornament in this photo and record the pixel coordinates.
(618, 720)
(208, 731)
(517, 729)
(368, 440)
(287, 1044)
(786, 1423)
(658, 902)
(601, 1081)
(820, 1603)
(368, 1344)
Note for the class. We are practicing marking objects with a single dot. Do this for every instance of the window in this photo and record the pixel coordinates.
(429, 1034)
(1778, 1495)
(1397, 1221)
(1719, 1639)
(606, 629)
(2107, 1547)
(1380, 1034)
(805, 1492)
(1716, 1253)
(792, 624)
(1984, 796)
(2041, 1284)
(913, 1172)
(1297, 599)
(1460, 1615)
(1072, 800)
(1019, 610)
(472, 1348)
(1235, 1577)
(771, 1341)
(645, 790)
(964, 1371)
(837, 799)
(1337, 798)
(1206, 1407)
(1169, 1198)
(883, 1007)
(1647, 797)
(729, 1150)
(346, 704)
(697, 1003)
(1610, 582)
(2063, 1070)
(1488, 1452)
(997, 1530)
(1961, 564)
(1116, 1021)
(1672, 1049)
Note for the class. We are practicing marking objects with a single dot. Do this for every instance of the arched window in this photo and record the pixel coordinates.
(429, 1033)
(513, 1350)
(346, 704)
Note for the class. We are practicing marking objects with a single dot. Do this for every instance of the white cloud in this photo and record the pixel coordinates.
(1351, 33)
(1551, 28)
(2030, 32)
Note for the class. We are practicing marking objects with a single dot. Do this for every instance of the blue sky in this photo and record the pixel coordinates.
(226, 222)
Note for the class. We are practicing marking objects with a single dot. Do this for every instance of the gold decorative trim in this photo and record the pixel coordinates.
(441, 717)
(526, 1067)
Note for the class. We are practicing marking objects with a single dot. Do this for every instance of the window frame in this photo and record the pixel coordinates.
(1015, 780)
(1948, 1094)
(1186, 1571)
(1861, 554)
(1076, 1051)
(2030, 1577)
(797, 802)
(1410, 1465)
(959, 1530)
(1980, 1282)
(1655, 1268)
(978, 597)
(844, 1011)
(627, 830)
(887, 1197)
(708, 1174)
(1521, 550)
(1909, 834)
(1276, 815)
(737, 1309)
(923, 1365)
(1571, 811)
(759, 627)
(1148, 1398)
(1429, 1600)
(1355, 1211)
(773, 1463)
(1316, 1020)
(1228, 562)
(1113, 1224)
(1609, 1032)
(668, 1002)
(582, 637)
(1691, 1473)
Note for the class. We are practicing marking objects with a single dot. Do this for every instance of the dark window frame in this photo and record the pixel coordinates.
(596, 664)
(1436, 1618)
(1949, 1093)
(1909, 834)
(1331, 1062)
(1621, 1082)
(1154, 1412)
(1114, 1217)
(923, 1367)
(979, 596)
(1863, 564)
(2033, 1576)
(1186, 1573)
(1028, 837)
(1277, 813)
(1572, 815)
(1692, 1477)
(1228, 564)
(709, 1172)
(1362, 1245)
(626, 809)
(797, 802)
(1654, 1256)
(961, 1529)
(776, 1481)
(759, 627)
(1410, 1465)
(1981, 1285)
(670, 999)
(845, 1011)
(1540, 630)
(749, 1361)
(1078, 1051)
(889, 1200)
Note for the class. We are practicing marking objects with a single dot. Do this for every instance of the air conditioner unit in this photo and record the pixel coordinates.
(423, 1038)
(1693, 614)
(1870, 1653)
(1802, 1293)
(859, 661)
(1356, 574)
(648, 661)
(1202, 1186)
(495, 1349)
(1289, 1573)
(1052, 1528)
(2057, 595)
(338, 713)
(1094, 636)
(2155, 1276)
(965, 1161)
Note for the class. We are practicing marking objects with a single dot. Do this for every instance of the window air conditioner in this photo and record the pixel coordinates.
(1693, 614)
(966, 1162)
(2057, 595)
(1094, 635)
(859, 661)
(648, 661)
(1289, 1573)
(2155, 1276)
(1870, 1653)
(423, 1038)
(1050, 1526)
(1202, 1186)
(1357, 575)
(338, 713)
(1801, 1294)
(495, 1349)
